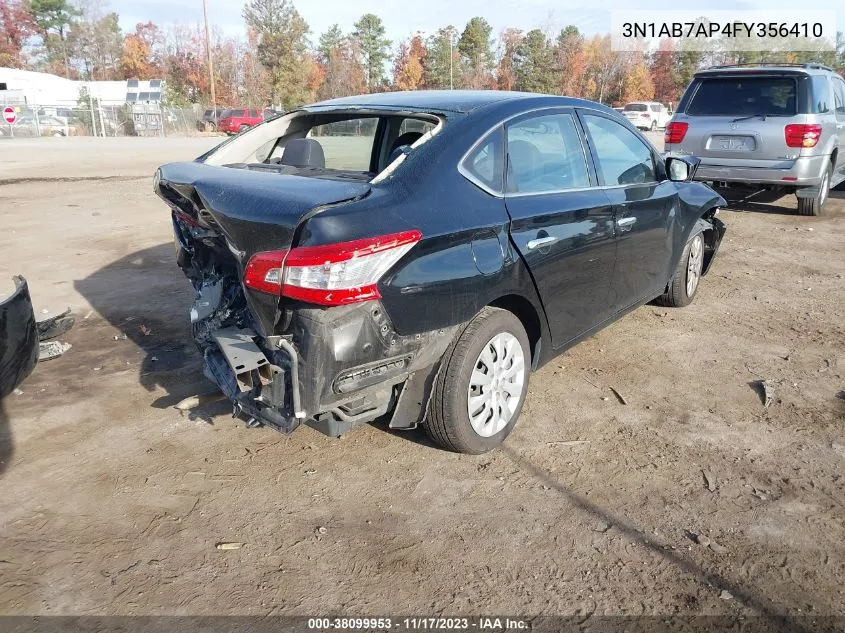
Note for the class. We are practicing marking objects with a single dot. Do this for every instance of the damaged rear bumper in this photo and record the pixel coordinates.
(18, 338)
(330, 369)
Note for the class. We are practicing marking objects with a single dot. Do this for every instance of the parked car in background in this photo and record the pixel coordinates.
(237, 120)
(647, 115)
(208, 120)
(28, 126)
(53, 126)
(769, 125)
(421, 268)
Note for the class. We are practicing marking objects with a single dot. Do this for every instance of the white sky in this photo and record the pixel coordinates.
(404, 18)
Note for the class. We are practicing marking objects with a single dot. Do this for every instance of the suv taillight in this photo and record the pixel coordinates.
(330, 275)
(675, 132)
(802, 134)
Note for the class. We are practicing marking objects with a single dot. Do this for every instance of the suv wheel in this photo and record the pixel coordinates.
(481, 385)
(685, 281)
(653, 127)
(815, 206)
(243, 128)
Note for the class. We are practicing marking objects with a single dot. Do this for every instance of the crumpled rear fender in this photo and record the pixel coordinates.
(18, 338)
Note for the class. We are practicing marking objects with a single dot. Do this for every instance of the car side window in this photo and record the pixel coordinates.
(485, 163)
(839, 95)
(820, 94)
(545, 154)
(622, 158)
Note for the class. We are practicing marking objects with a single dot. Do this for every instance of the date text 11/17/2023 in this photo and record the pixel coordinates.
(418, 624)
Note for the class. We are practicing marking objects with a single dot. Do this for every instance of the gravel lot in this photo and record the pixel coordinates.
(113, 501)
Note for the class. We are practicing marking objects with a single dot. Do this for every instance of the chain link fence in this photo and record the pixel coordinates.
(106, 119)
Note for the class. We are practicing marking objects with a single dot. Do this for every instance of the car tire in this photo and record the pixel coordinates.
(653, 127)
(687, 278)
(243, 128)
(815, 205)
(489, 361)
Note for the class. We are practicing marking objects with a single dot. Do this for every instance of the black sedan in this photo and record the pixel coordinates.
(414, 255)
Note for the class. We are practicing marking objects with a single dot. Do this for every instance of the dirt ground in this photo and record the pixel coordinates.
(113, 501)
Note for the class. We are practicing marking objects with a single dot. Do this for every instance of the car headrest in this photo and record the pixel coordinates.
(403, 140)
(304, 152)
(408, 138)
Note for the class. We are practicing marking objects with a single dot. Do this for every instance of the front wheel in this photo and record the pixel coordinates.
(482, 383)
(685, 281)
(815, 205)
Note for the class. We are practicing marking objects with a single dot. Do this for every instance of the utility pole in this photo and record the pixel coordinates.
(210, 61)
(91, 109)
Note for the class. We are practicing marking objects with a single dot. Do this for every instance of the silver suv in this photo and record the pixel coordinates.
(778, 126)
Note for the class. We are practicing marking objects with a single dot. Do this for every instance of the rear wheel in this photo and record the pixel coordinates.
(685, 281)
(481, 385)
(815, 205)
(243, 128)
(653, 127)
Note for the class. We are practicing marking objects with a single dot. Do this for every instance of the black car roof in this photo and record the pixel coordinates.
(444, 100)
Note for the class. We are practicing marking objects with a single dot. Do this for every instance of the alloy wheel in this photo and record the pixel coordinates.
(694, 264)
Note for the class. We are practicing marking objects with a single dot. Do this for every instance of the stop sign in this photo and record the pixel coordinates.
(9, 115)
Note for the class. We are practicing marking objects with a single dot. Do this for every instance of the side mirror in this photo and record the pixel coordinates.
(681, 168)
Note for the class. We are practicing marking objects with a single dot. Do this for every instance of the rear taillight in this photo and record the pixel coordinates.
(264, 272)
(646, 115)
(675, 132)
(802, 134)
(330, 275)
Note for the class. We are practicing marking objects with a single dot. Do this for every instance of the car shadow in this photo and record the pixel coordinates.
(145, 298)
(774, 620)
(754, 200)
(417, 435)
(759, 200)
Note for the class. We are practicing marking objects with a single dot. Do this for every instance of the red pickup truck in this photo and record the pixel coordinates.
(239, 119)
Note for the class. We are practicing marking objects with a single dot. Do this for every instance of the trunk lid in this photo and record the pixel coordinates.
(224, 215)
(254, 210)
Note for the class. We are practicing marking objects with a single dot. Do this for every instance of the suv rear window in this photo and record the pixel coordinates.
(635, 107)
(744, 96)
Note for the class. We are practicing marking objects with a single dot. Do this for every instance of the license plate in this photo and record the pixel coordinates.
(733, 144)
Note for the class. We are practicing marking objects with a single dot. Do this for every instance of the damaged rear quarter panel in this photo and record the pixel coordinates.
(18, 338)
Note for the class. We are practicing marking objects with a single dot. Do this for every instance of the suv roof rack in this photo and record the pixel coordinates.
(813, 65)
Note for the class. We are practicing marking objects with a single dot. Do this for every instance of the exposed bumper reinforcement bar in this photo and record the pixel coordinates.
(256, 386)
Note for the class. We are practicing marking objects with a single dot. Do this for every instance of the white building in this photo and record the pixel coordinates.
(25, 87)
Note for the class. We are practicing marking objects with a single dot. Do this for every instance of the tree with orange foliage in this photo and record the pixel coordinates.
(602, 68)
(664, 76)
(16, 26)
(342, 70)
(136, 61)
(571, 61)
(509, 40)
(408, 67)
(637, 85)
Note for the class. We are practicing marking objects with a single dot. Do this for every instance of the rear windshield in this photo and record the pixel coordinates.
(744, 96)
(635, 107)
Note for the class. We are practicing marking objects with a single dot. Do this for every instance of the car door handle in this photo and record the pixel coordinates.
(541, 241)
(625, 222)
